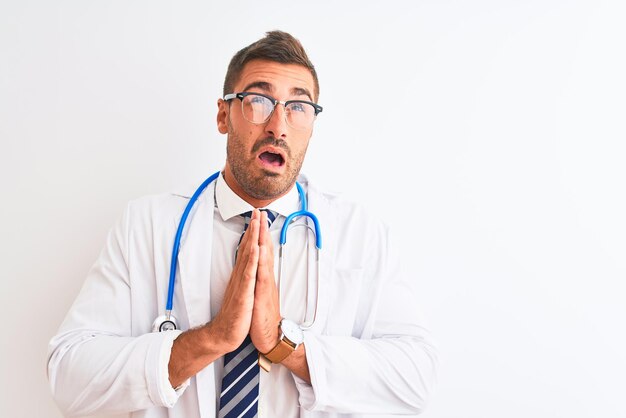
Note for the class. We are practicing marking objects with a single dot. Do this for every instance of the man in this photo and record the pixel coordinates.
(367, 351)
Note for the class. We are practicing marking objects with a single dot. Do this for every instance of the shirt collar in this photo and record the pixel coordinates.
(229, 204)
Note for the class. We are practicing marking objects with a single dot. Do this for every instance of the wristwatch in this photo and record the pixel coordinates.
(291, 336)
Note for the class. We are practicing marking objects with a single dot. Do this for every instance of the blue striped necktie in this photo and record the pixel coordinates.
(240, 382)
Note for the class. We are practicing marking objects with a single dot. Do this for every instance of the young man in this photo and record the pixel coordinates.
(366, 352)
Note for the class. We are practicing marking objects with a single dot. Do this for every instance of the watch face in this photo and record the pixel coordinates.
(292, 331)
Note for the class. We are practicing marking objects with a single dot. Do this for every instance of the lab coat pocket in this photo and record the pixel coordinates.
(345, 290)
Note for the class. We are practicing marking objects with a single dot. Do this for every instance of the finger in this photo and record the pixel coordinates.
(251, 265)
(265, 291)
(248, 249)
(265, 270)
(254, 235)
(263, 221)
(266, 240)
(246, 232)
(252, 243)
(243, 244)
(266, 305)
(264, 262)
(264, 232)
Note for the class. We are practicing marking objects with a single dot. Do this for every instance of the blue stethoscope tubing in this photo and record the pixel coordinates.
(168, 322)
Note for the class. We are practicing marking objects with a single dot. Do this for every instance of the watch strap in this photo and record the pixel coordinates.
(264, 363)
(281, 351)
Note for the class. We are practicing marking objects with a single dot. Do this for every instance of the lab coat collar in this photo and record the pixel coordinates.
(194, 268)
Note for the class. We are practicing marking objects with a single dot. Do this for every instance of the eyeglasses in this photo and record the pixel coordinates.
(257, 108)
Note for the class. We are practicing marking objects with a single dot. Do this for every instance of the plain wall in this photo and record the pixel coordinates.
(492, 132)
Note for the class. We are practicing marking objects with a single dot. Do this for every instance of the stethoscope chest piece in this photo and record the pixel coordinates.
(165, 323)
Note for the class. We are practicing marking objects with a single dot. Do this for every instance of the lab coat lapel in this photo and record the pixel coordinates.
(194, 264)
(194, 259)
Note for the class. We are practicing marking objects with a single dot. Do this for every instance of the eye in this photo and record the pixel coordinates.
(254, 99)
(298, 107)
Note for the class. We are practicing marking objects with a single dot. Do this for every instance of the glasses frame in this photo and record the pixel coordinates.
(275, 102)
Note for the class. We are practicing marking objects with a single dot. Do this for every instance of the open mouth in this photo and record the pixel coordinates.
(272, 159)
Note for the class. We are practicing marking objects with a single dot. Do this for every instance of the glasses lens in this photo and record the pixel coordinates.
(256, 109)
(300, 115)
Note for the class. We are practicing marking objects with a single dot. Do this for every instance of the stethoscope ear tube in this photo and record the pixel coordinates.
(179, 233)
(316, 224)
(305, 325)
(304, 204)
(318, 244)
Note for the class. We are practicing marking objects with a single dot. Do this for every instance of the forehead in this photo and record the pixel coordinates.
(282, 79)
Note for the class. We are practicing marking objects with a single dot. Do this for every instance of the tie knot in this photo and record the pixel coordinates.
(271, 217)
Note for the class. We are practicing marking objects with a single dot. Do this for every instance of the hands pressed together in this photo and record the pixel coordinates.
(250, 304)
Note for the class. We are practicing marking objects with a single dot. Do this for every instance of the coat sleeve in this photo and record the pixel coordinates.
(387, 365)
(95, 364)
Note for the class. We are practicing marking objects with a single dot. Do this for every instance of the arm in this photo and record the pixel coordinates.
(97, 365)
(384, 361)
(386, 367)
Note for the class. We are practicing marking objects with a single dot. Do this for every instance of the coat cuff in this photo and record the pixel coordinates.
(313, 394)
(157, 372)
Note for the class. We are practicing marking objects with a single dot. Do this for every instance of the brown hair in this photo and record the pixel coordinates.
(276, 46)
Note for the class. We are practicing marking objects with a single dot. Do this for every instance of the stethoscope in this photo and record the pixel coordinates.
(168, 322)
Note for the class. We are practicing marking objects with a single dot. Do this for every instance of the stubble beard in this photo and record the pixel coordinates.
(266, 185)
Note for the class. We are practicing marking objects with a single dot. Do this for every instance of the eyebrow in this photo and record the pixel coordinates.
(265, 86)
(299, 91)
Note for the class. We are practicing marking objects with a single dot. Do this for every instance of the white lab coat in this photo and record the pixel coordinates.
(368, 353)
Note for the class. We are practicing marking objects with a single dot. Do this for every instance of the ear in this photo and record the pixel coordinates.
(222, 116)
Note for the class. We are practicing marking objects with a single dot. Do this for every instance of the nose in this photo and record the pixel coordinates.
(277, 124)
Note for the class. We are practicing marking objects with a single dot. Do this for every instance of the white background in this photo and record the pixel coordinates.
(492, 131)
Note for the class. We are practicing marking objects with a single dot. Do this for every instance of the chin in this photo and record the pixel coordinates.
(270, 186)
